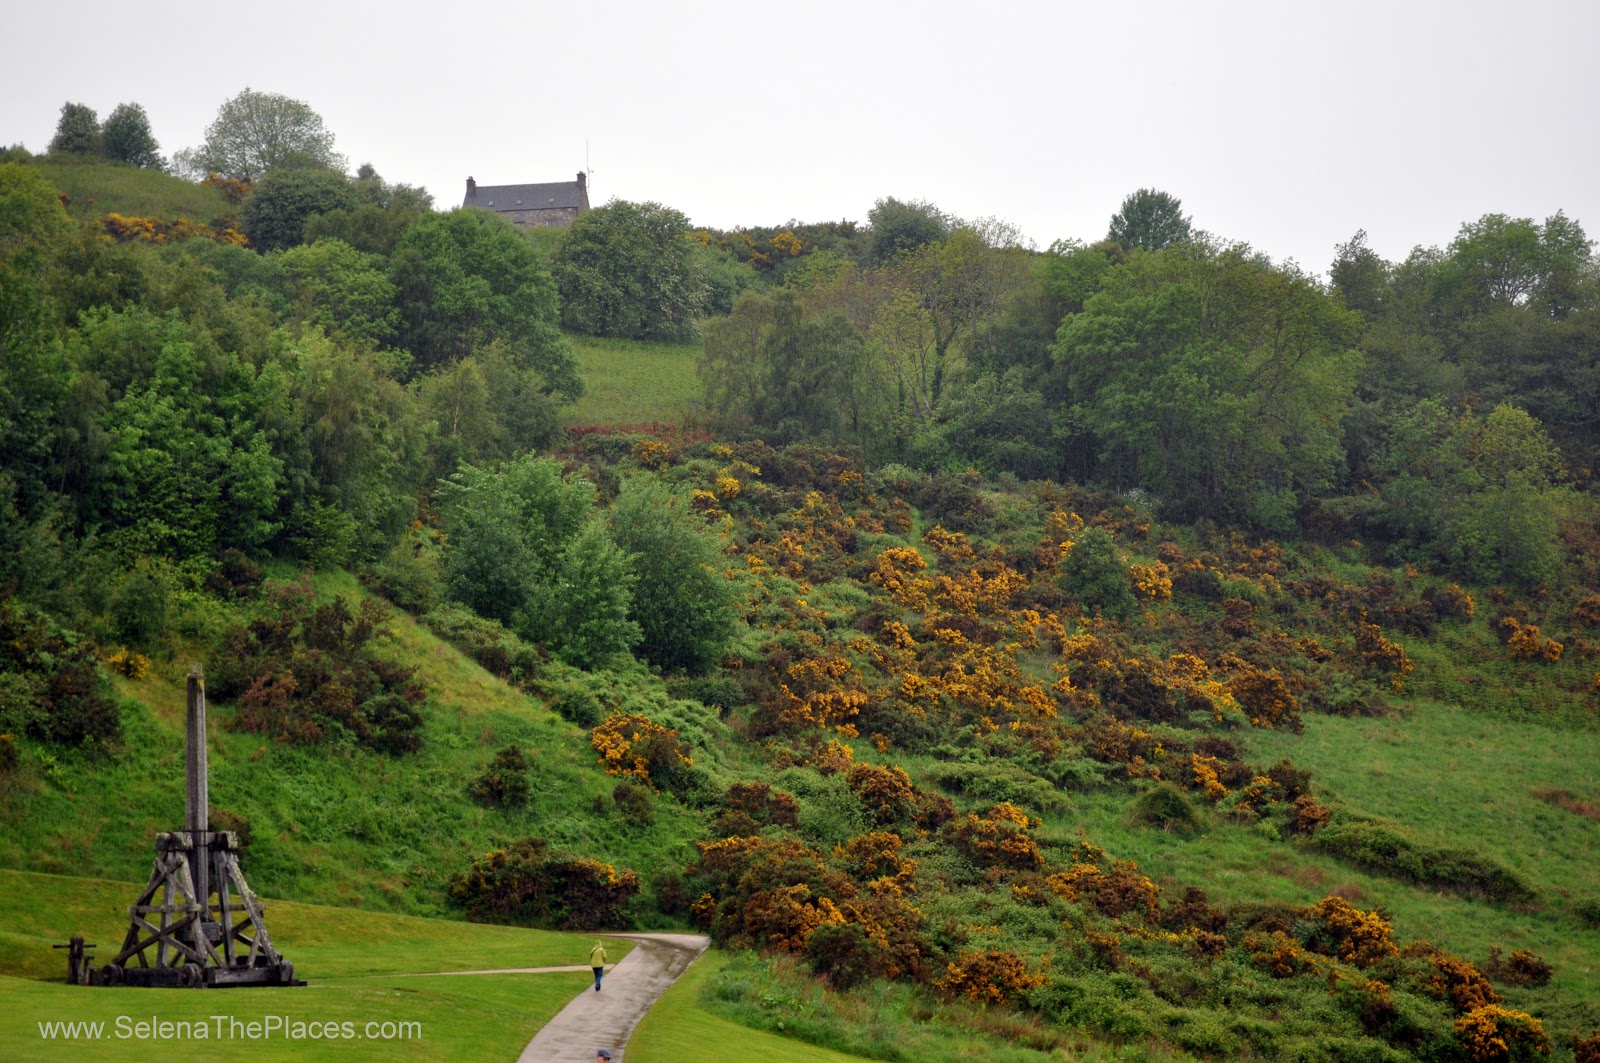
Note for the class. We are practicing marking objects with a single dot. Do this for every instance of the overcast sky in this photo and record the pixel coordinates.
(1285, 124)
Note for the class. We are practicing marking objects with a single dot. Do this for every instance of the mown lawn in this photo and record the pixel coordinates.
(352, 959)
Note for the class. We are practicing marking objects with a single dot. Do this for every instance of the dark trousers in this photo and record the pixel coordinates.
(598, 971)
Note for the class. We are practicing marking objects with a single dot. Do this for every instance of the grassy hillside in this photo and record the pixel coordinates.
(633, 382)
(336, 827)
(95, 188)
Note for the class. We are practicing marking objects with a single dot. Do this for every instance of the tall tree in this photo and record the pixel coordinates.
(630, 270)
(1149, 220)
(127, 138)
(257, 131)
(1213, 380)
(896, 226)
(468, 278)
(77, 130)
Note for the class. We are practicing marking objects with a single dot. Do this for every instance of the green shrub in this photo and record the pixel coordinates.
(1096, 577)
(1167, 808)
(1385, 850)
(505, 781)
(635, 800)
(999, 782)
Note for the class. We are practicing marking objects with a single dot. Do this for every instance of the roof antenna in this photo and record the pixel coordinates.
(587, 169)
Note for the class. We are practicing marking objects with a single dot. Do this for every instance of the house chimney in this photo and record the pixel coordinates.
(472, 188)
(583, 181)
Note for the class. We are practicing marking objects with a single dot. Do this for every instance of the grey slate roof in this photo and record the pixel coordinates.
(555, 196)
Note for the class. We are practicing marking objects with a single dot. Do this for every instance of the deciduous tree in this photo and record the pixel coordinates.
(127, 138)
(255, 132)
(1149, 220)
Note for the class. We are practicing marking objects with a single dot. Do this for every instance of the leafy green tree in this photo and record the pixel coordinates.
(370, 228)
(771, 364)
(630, 270)
(275, 214)
(958, 284)
(35, 382)
(1505, 528)
(374, 190)
(347, 293)
(1149, 220)
(255, 132)
(682, 602)
(362, 441)
(581, 613)
(467, 279)
(1360, 275)
(186, 471)
(895, 226)
(127, 138)
(507, 529)
(77, 130)
(1498, 261)
(1095, 576)
(1213, 380)
(486, 408)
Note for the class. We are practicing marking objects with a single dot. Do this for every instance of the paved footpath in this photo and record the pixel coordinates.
(606, 1019)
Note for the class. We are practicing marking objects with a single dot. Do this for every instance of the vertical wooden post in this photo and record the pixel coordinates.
(197, 810)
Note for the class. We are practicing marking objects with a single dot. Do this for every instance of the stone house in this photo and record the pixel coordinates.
(530, 205)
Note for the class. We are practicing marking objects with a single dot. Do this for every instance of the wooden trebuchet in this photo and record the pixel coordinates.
(207, 927)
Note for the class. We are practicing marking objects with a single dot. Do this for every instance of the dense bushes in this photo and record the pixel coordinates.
(528, 885)
(50, 685)
(303, 672)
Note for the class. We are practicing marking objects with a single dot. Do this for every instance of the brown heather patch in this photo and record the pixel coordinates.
(1565, 799)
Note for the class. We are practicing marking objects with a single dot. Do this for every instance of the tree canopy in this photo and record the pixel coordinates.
(1149, 220)
(629, 270)
(255, 132)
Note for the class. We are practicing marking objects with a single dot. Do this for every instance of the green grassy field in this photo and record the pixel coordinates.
(630, 382)
(95, 188)
(359, 965)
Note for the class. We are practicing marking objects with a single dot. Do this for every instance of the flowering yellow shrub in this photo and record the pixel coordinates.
(653, 453)
(1527, 643)
(130, 663)
(1348, 933)
(1491, 1034)
(1152, 581)
(1383, 654)
(160, 231)
(990, 977)
(630, 744)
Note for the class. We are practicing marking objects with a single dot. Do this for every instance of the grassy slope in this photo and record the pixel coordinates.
(631, 382)
(679, 1030)
(336, 827)
(352, 959)
(95, 189)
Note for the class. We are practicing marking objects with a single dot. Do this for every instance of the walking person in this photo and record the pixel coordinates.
(597, 960)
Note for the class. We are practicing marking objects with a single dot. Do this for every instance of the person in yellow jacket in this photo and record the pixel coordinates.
(597, 960)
